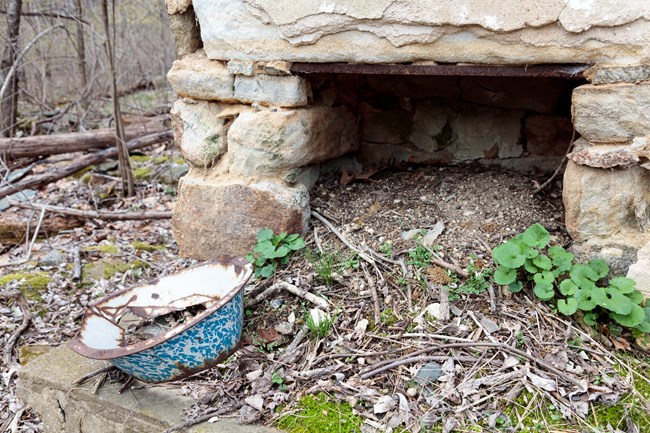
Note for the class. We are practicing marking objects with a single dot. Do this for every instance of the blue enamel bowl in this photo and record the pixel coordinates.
(200, 343)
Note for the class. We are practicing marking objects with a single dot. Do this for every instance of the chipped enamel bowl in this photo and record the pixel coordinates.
(204, 341)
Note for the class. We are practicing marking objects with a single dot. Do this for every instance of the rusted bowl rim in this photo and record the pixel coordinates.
(82, 349)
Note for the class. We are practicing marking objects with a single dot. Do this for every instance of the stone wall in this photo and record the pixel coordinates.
(523, 123)
(256, 134)
(254, 143)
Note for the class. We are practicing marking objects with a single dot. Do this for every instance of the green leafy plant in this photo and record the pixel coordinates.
(387, 249)
(527, 260)
(352, 262)
(478, 281)
(273, 250)
(420, 257)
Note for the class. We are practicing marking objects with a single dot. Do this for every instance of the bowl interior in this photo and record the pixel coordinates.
(211, 285)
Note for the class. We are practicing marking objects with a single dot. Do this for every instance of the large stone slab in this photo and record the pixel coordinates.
(270, 142)
(197, 77)
(602, 202)
(500, 31)
(46, 384)
(612, 113)
(218, 215)
(199, 132)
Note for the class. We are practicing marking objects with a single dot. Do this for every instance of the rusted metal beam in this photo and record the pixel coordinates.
(557, 71)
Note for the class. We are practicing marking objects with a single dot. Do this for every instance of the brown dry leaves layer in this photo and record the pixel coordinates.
(485, 349)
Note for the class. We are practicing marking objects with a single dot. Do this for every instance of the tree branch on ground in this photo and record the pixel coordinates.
(81, 163)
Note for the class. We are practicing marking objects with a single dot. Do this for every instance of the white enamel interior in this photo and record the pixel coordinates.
(201, 285)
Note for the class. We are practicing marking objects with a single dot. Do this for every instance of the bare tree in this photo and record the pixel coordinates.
(81, 51)
(125, 170)
(9, 104)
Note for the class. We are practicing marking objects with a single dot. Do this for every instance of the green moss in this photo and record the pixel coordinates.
(139, 158)
(143, 173)
(27, 352)
(144, 246)
(160, 160)
(630, 405)
(103, 248)
(179, 161)
(320, 414)
(107, 268)
(31, 284)
(81, 174)
(86, 178)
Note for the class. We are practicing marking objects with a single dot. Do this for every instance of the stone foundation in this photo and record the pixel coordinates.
(256, 129)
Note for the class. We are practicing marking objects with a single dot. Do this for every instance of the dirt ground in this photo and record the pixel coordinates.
(406, 344)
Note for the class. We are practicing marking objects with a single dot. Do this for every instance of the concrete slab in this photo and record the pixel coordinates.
(46, 384)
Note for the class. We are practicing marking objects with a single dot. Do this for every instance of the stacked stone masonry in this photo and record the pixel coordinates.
(254, 145)
(256, 134)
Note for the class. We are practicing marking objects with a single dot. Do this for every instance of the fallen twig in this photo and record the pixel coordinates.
(92, 374)
(126, 385)
(343, 239)
(409, 359)
(283, 285)
(27, 317)
(373, 292)
(199, 419)
(314, 299)
(103, 215)
(76, 274)
(559, 167)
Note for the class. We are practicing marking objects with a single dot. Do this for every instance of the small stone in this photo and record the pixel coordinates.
(284, 328)
(255, 401)
(53, 258)
(433, 234)
(640, 271)
(276, 303)
(222, 214)
(274, 68)
(428, 373)
(409, 234)
(241, 67)
(412, 392)
(605, 156)
(600, 202)
(619, 74)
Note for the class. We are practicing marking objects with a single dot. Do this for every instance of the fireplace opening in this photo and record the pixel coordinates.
(515, 117)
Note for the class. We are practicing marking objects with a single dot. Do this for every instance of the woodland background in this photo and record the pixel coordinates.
(63, 78)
